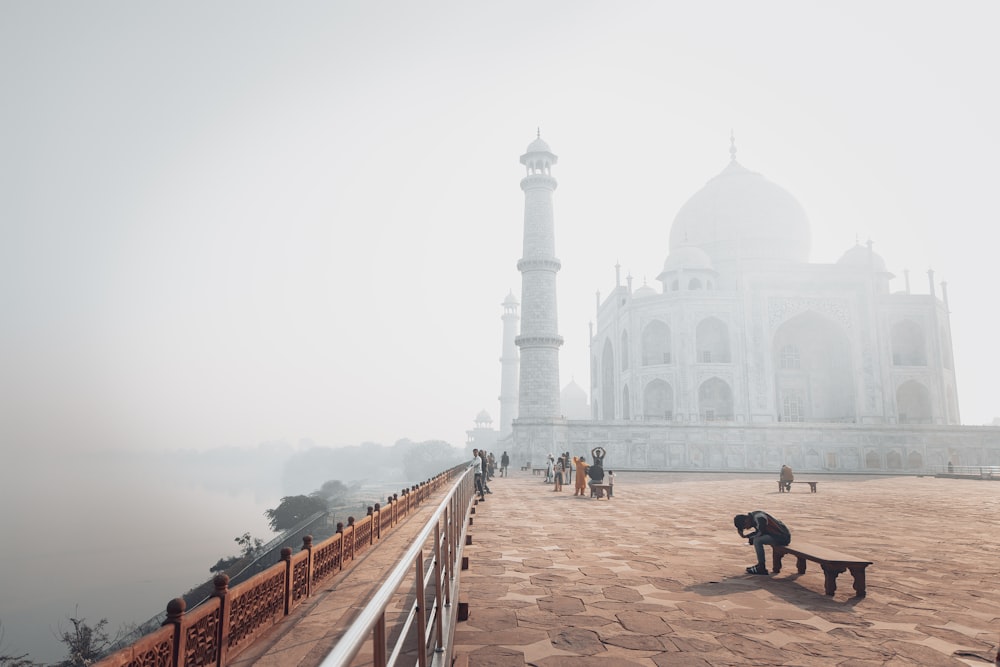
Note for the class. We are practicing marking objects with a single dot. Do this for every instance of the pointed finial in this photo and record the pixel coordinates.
(732, 146)
(538, 132)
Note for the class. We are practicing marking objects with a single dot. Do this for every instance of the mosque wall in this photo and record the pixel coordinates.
(805, 447)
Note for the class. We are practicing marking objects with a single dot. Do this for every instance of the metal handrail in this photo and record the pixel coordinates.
(370, 623)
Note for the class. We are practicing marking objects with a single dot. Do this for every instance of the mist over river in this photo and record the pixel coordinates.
(116, 536)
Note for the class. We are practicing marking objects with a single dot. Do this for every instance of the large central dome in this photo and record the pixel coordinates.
(740, 215)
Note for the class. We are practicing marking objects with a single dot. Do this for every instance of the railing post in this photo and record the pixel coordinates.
(340, 530)
(378, 518)
(286, 555)
(175, 617)
(371, 526)
(221, 582)
(439, 588)
(421, 612)
(307, 545)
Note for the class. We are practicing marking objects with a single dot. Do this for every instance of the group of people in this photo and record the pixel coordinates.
(766, 529)
(559, 470)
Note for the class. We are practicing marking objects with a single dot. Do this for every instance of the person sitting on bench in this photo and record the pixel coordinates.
(786, 477)
(767, 530)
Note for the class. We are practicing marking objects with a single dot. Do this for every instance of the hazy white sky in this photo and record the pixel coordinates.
(229, 222)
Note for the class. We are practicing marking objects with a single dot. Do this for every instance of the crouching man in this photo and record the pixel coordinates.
(766, 530)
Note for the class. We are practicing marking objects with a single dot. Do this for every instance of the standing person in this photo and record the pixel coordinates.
(611, 483)
(581, 476)
(567, 467)
(558, 474)
(504, 462)
(486, 477)
(786, 478)
(549, 469)
(492, 460)
(767, 530)
(477, 470)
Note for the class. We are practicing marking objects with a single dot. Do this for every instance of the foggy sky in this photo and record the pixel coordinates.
(235, 222)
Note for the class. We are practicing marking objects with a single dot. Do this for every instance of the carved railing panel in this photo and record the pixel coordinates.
(255, 605)
(326, 559)
(201, 635)
(300, 578)
(154, 650)
(362, 534)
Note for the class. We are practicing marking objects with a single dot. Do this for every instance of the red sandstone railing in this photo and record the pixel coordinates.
(216, 631)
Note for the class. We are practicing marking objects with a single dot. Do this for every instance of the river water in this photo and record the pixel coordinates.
(109, 537)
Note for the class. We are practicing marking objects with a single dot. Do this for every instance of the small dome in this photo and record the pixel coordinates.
(510, 300)
(864, 257)
(574, 401)
(739, 214)
(538, 146)
(484, 417)
(687, 257)
(644, 291)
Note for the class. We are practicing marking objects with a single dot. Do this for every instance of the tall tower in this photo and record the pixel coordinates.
(538, 395)
(508, 365)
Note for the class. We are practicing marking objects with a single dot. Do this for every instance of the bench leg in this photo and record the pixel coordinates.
(812, 486)
(800, 565)
(776, 554)
(830, 574)
(859, 580)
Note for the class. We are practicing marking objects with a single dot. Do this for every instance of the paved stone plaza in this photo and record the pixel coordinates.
(655, 576)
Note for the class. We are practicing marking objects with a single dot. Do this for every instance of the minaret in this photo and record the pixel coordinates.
(538, 395)
(508, 365)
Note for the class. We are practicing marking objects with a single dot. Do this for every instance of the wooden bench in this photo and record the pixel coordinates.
(538, 471)
(781, 485)
(525, 468)
(600, 491)
(832, 562)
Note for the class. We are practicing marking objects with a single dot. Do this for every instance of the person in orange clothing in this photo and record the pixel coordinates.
(581, 476)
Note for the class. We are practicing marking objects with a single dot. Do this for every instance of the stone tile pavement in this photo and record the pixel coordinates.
(655, 576)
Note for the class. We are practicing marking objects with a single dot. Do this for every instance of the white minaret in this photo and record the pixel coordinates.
(508, 365)
(538, 395)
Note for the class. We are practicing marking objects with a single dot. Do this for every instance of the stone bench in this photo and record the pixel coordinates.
(781, 485)
(538, 471)
(832, 562)
(600, 491)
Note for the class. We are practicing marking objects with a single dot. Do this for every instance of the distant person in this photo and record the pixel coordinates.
(767, 530)
(486, 477)
(951, 468)
(786, 478)
(611, 483)
(492, 466)
(477, 471)
(581, 476)
(558, 475)
(549, 469)
(567, 468)
(504, 462)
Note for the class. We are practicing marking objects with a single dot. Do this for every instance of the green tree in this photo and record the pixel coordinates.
(85, 644)
(248, 545)
(292, 510)
(423, 460)
(332, 491)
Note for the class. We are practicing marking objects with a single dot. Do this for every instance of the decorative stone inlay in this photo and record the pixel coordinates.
(561, 604)
(578, 641)
(780, 309)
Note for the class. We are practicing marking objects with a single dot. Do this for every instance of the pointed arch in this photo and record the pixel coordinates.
(712, 341)
(813, 370)
(914, 461)
(658, 401)
(608, 381)
(626, 406)
(656, 343)
(913, 401)
(624, 351)
(715, 400)
(872, 460)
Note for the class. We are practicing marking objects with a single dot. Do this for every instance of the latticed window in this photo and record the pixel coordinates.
(791, 410)
(790, 358)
